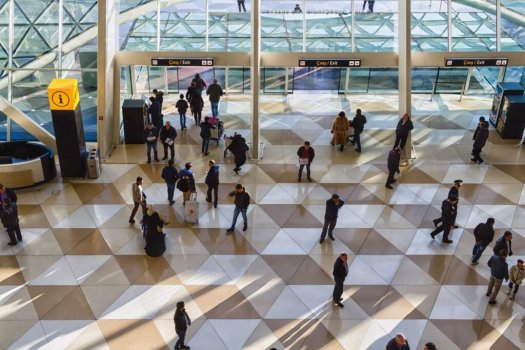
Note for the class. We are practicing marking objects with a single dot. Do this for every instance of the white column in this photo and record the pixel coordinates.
(405, 86)
(108, 123)
(498, 25)
(10, 43)
(60, 36)
(254, 75)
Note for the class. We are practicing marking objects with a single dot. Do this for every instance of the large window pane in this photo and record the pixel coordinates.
(472, 29)
(4, 36)
(80, 16)
(376, 31)
(139, 34)
(429, 26)
(281, 26)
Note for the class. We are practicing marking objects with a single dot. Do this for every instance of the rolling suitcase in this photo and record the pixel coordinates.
(191, 210)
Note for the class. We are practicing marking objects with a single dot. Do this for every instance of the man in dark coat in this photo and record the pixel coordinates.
(242, 201)
(9, 194)
(358, 123)
(214, 92)
(330, 216)
(194, 97)
(205, 135)
(402, 131)
(170, 175)
(481, 138)
(238, 148)
(499, 270)
(154, 112)
(394, 157)
(340, 272)
(448, 215)
(399, 342)
(167, 137)
(484, 234)
(452, 193)
(306, 156)
(504, 242)
(182, 321)
(212, 180)
(159, 97)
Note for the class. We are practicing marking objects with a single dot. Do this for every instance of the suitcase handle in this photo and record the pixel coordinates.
(193, 196)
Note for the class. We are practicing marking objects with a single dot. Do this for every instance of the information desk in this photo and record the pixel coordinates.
(24, 164)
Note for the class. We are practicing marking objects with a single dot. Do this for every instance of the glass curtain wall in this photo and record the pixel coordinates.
(43, 51)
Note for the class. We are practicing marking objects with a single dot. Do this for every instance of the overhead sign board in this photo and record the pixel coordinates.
(170, 62)
(476, 62)
(329, 63)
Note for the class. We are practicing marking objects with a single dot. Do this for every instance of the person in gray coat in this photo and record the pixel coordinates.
(481, 138)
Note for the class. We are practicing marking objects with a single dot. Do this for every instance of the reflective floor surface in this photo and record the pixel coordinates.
(81, 280)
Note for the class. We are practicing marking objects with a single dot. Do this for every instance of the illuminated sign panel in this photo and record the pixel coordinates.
(170, 62)
(476, 62)
(329, 63)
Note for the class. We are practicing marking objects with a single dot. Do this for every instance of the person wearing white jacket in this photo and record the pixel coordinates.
(516, 276)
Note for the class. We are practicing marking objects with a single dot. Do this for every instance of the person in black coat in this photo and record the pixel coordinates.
(306, 156)
(212, 180)
(504, 242)
(394, 157)
(159, 97)
(9, 218)
(151, 134)
(194, 97)
(167, 137)
(330, 216)
(7, 193)
(358, 123)
(452, 193)
(205, 134)
(182, 321)
(238, 148)
(448, 215)
(481, 139)
(154, 112)
(155, 244)
(242, 201)
(399, 342)
(402, 131)
(340, 272)
(484, 234)
(170, 175)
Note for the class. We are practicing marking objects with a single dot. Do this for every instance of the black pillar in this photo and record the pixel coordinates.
(71, 146)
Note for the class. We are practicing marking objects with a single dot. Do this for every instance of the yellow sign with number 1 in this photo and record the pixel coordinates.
(63, 94)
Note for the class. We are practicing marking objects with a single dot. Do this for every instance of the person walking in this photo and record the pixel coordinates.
(499, 270)
(394, 157)
(306, 156)
(242, 201)
(478, 127)
(358, 123)
(7, 193)
(371, 5)
(504, 242)
(182, 107)
(200, 84)
(139, 198)
(151, 134)
(154, 112)
(186, 183)
(516, 277)
(340, 272)
(182, 321)
(240, 3)
(206, 134)
(403, 128)
(194, 97)
(212, 180)
(9, 218)
(238, 148)
(167, 138)
(448, 215)
(481, 139)
(430, 346)
(214, 92)
(452, 193)
(170, 175)
(484, 234)
(340, 130)
(330, 216)
(399, 342)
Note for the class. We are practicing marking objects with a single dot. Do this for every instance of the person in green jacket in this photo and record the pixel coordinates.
(215, 92)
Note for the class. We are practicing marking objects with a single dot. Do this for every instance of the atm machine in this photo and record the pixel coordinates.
(502, 90)
(511, 122)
